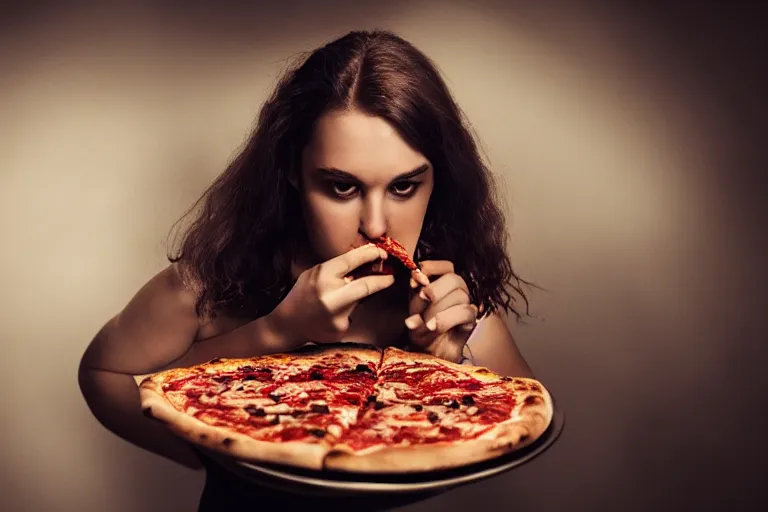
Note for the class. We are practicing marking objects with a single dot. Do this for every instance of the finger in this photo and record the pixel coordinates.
(349, 294)
(436, 267)
(419, 334)
(452, 317)
(457, 297)
(342, 265)
(418, 278)
(416, 304)
(442, 287)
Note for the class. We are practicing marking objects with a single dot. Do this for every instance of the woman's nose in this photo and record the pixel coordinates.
(373, 223)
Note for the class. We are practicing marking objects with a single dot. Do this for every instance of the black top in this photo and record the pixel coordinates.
(226, 491)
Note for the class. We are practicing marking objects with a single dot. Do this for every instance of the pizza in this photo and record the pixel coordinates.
(349, 407)
(393, 248)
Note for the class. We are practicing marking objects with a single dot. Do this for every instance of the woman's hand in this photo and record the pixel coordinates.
(318, 307)
(441, 315)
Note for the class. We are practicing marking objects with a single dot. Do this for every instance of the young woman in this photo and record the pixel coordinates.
(360, 139)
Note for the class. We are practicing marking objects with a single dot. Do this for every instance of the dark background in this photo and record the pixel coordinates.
(631, 140)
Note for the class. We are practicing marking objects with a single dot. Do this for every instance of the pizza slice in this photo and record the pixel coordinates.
(427, 414)
(284, 408)
(401, 261)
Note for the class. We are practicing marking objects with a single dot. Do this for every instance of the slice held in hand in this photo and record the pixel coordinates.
(398, 262)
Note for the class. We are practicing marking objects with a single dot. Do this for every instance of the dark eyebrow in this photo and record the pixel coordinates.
(344, 175)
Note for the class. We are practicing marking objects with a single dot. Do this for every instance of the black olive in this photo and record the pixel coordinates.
(453, 404)
(255, 411)
(371, 398)
(507, 379)
(315, 375)
(379, 405)
(363, 368)
(275, 420)
(275, 398)
(321, 409)
(418, 407)
(468, 400)
(317, 432)
(246, 368)
(432, 417)
(249, 377)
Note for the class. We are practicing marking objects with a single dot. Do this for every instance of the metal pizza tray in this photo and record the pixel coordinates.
(342, 483)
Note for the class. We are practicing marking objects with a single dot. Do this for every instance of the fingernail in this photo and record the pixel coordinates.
(414, 284)
(423, 295)
(411, 322)
(432, 324)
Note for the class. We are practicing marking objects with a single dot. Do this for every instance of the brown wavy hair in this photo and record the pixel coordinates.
(238, 249)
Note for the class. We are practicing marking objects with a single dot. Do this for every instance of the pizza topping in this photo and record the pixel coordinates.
(467, 400)
(363, 368)
(418, 407)
(207, 399)
(255, 411)
(315, 375)
(281, 408)
(317, 432)
(274, 396)
(432, 417)
(320, 408)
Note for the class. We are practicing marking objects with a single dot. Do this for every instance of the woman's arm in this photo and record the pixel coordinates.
(156, 330)
(492, 345)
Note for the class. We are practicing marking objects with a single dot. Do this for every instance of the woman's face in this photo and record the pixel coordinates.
(360, 179)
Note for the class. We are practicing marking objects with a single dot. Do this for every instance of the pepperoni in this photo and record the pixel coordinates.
(293, 433)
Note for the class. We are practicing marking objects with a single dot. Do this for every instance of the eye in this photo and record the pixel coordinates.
(342, 188)
(405, 188)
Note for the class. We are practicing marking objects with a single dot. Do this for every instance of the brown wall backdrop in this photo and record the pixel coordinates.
(630, 141)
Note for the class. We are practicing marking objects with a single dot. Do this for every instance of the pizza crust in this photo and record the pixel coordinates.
(233, 444)
(431, 457)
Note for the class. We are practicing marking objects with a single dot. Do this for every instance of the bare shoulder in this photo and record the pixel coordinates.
(493, 346)
(157, 325)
